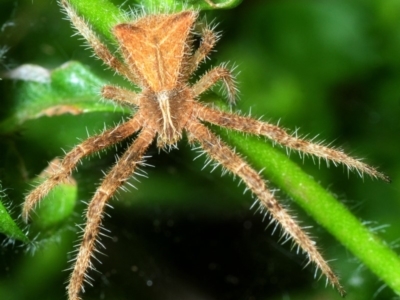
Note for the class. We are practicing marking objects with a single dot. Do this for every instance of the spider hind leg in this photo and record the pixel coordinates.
(221, 153)
(282, 137)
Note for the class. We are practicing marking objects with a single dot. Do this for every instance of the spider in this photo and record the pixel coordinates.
(159, 56)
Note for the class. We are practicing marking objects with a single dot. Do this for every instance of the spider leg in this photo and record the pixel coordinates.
(221, 153)
(122, 170)
(120, 95)
(89, 146)
(207, 43)
(99, 48)
(279, 135)
(212, 77)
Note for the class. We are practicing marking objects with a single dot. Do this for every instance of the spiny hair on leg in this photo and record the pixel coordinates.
(222, 76)
(209, 37)
(80, 25)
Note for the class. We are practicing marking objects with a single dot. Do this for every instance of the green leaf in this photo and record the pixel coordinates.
(58, 205)
(7, 225)
(67, 89)
(102, 20)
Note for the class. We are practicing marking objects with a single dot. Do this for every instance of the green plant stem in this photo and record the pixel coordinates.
(321, 205)
(7, 224)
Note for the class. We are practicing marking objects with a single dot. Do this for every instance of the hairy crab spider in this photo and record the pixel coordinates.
(159, 57)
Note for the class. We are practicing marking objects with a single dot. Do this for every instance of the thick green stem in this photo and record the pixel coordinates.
(321, 205)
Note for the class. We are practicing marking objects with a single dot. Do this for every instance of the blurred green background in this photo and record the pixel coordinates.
(330, 68)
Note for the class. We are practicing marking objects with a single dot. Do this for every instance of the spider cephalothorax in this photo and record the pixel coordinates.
(159, 57)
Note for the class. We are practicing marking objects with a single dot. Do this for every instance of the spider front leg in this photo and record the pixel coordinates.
(99, 48)
(120, 173)
(280, 136)
(91, 145)
(223, 155)
(207, 43)
(120, 95)
(212, 77)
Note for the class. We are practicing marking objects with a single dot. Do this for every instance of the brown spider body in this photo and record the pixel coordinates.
(158, 57)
